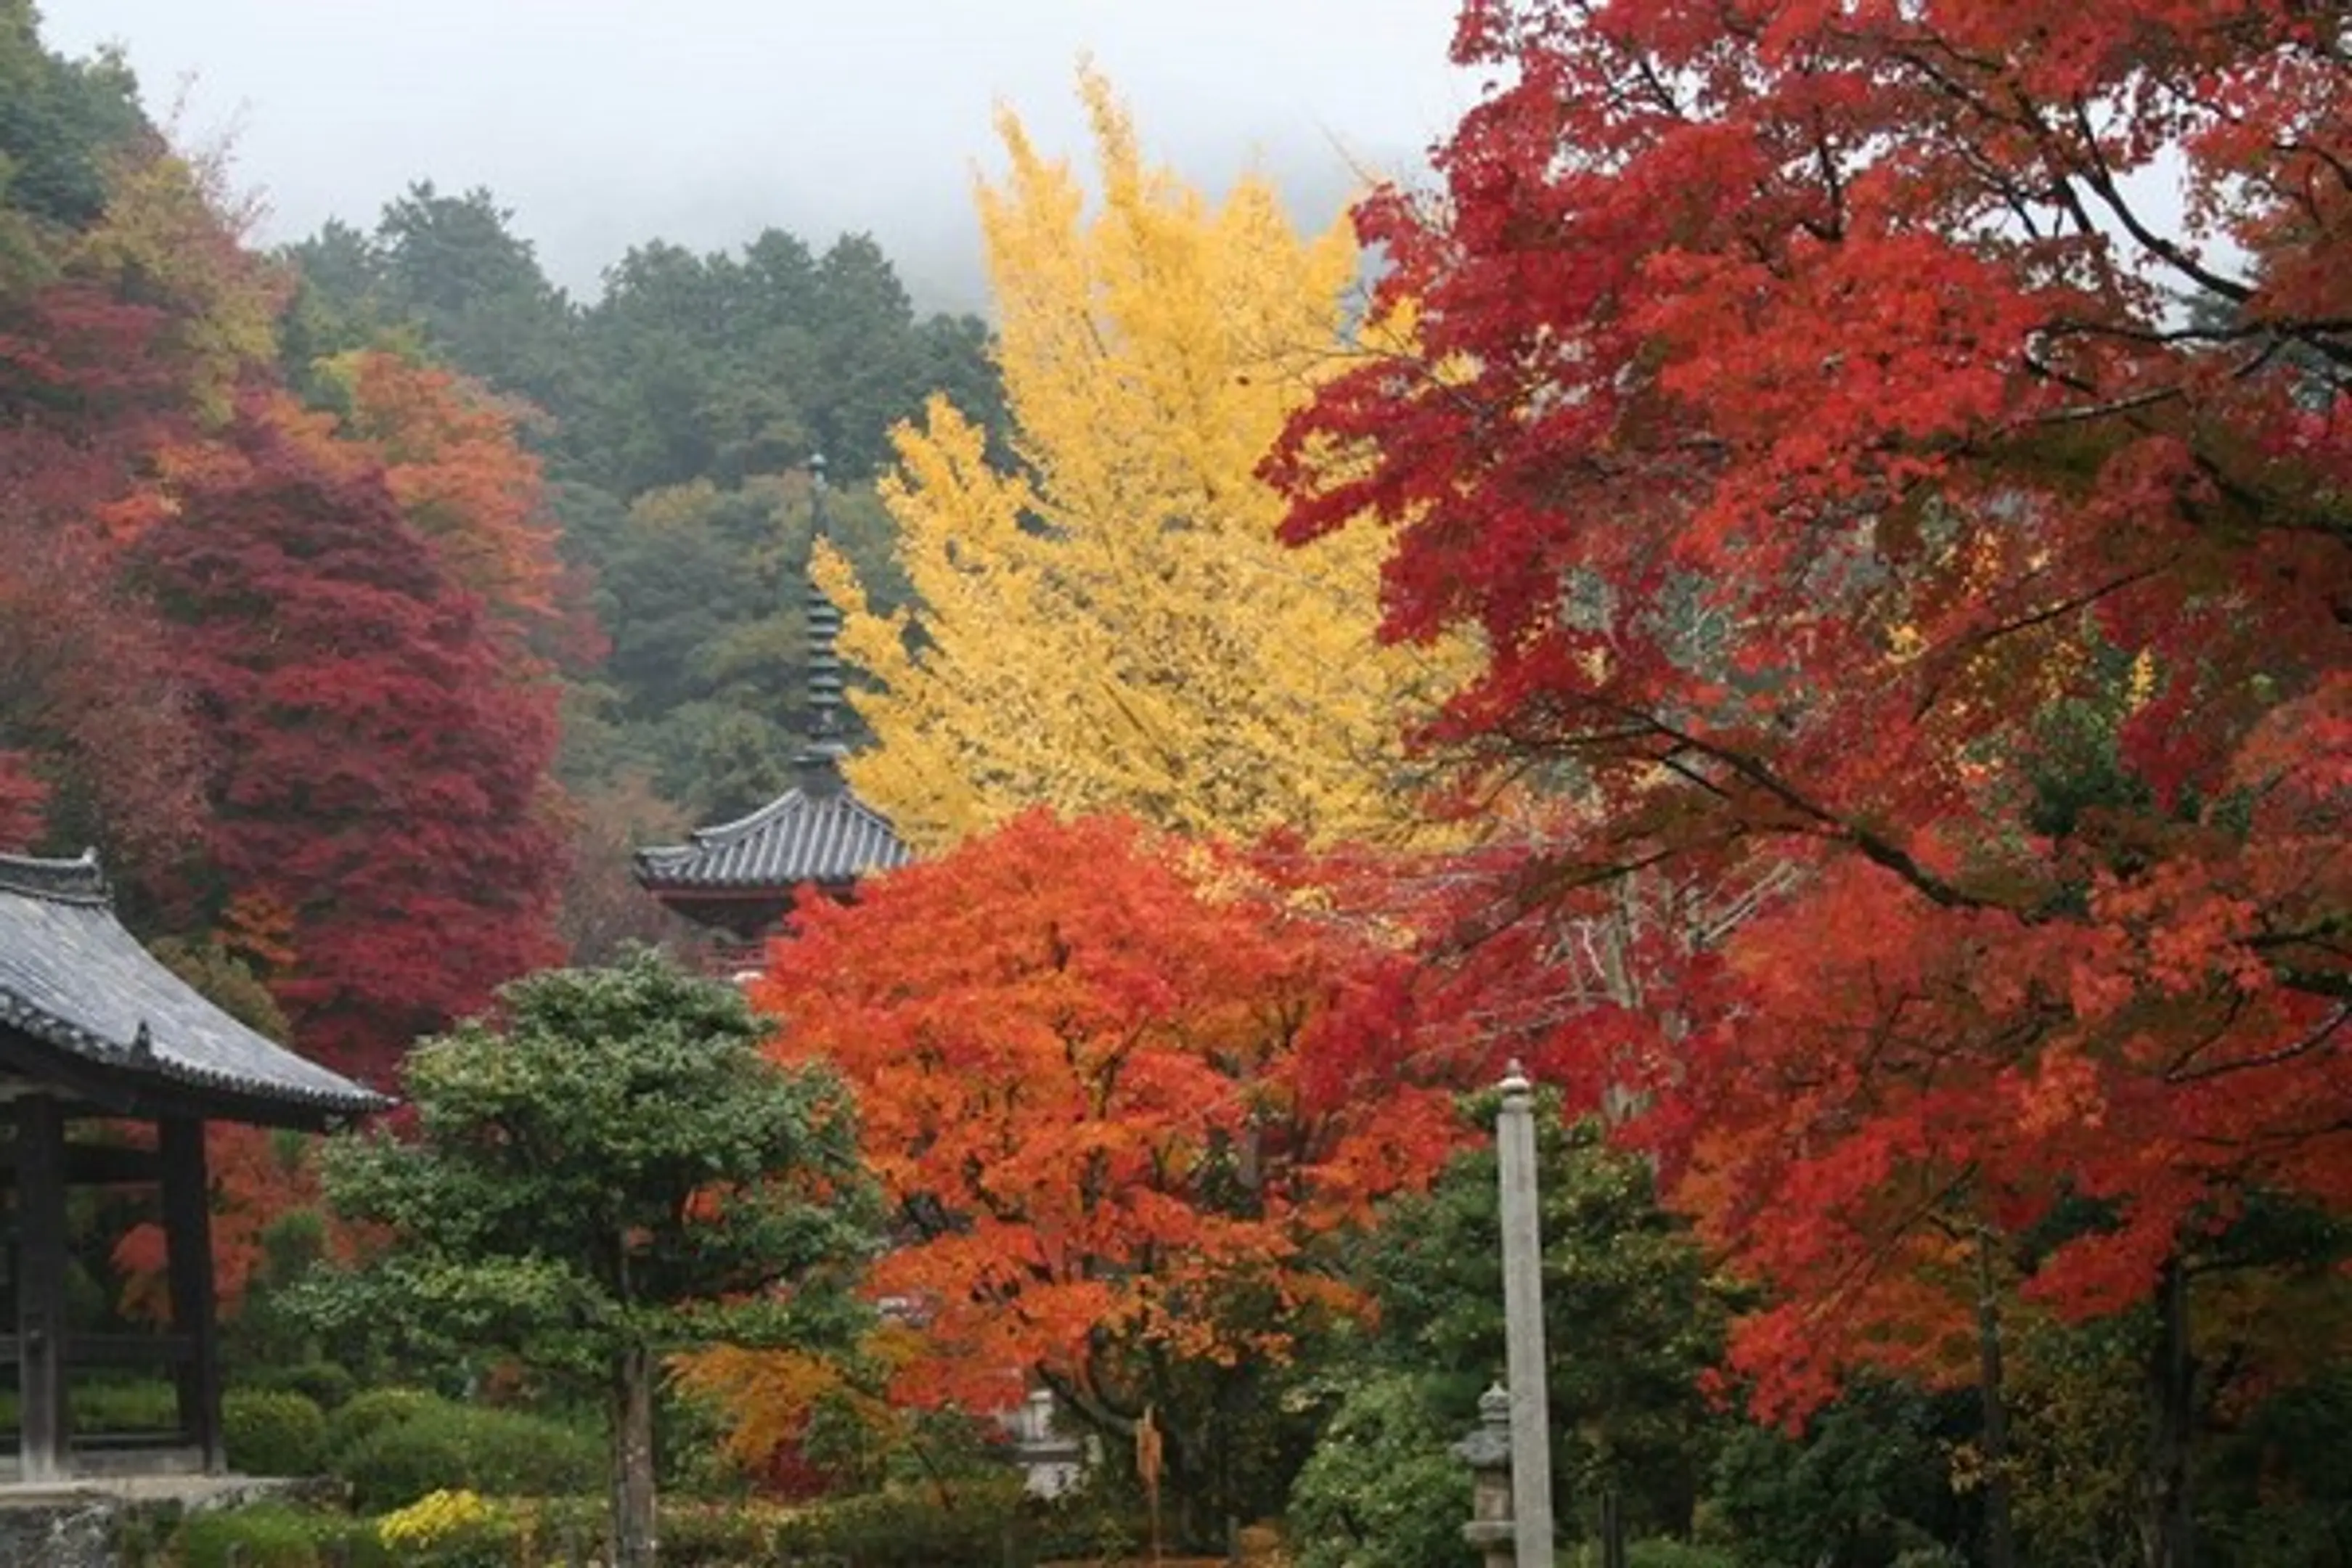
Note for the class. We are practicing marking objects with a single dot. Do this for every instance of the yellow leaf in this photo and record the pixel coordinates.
(1114, 624)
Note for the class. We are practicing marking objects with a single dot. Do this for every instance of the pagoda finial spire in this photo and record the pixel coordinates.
(822, 751)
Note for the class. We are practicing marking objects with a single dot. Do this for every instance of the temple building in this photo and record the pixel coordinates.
(95, 1033)
(736, 882)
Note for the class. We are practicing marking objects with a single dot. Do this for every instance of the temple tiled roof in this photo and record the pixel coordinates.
(817, 832)
(824, 834)
(72, 979)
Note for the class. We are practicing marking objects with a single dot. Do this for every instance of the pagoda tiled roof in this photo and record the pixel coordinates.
(72, 979)
(824, 834)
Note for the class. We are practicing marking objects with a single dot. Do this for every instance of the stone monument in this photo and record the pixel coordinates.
(1523, 1324)
(1487, 1452)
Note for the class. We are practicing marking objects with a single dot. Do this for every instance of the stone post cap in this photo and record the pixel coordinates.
(1489, 1448)
(1515, 1078)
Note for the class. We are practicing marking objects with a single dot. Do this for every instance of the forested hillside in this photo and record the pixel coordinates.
(673, 415)
(368, 598)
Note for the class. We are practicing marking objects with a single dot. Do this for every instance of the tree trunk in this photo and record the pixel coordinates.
(634, 1544)
(2168, 1537)
(2000, 1532)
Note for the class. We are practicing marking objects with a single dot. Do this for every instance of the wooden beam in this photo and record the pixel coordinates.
(37, 1061)
(149, 1351)
(188, 1248)
(105, 1089)
(95, 1165)
(40, 1289)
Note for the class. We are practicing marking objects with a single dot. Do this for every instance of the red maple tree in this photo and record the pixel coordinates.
(1851, 467)
(87, 700)
(371, 768)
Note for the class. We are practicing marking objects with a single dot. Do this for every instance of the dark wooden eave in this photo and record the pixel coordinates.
(84, 1008)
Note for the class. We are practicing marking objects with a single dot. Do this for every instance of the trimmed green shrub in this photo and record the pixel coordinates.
(1664, 1552)
(147, 1406)
(364, 1414)
(720, 1535)
(907, 1528)
(563, 1530)
(556, 1531)
(498, 1453)
(266, 1536)
(1929, 1556)
(273, 1535)
(273, 1432)
(323, 1381)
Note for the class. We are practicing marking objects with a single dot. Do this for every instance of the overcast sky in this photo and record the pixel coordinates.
(603, 123)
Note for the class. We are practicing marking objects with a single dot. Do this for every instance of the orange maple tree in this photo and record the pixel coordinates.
(452, 453)
(1857, 456)
(1116, 1084)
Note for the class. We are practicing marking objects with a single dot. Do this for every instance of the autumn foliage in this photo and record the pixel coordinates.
(273, 662)
(1858, 477)
(368, 766)
(256, 652)
(1116, 1090)
(452, 457)
(1107, 621)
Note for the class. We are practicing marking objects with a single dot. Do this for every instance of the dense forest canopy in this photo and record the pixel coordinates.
(266, 509)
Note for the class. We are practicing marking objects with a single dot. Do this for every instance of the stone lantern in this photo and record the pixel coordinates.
(1487, 1452)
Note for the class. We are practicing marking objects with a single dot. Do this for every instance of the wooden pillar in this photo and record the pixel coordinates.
(188, 1248)
(41, 1288)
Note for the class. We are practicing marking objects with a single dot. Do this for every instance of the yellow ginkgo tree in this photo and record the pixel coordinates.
(1108, 622)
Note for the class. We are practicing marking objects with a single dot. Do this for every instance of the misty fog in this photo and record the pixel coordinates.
(604, 123)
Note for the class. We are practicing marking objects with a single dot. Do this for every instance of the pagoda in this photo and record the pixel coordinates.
(738, 882)
(94, 1032)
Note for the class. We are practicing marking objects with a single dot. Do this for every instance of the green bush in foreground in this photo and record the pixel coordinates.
(147, 1404)
(911, 1528)
(364, 1414)
(323, 1381)
(274, 1535)
(1665, 1553)
(273, 1432)
(497, 1452)
(461, 1529)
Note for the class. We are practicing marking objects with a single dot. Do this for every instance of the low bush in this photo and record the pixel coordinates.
(323, 1381)
(910, 1528)
(113, 1405)
(441, 1445)
(364, 1414)
(1933, 1555)
(722, 1535)
(149, 1404)
(273, 1432)
(1667, 1552)
(273, 1535)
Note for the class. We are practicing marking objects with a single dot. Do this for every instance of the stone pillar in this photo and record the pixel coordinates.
(1523, 1324)
(1487, 1452)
